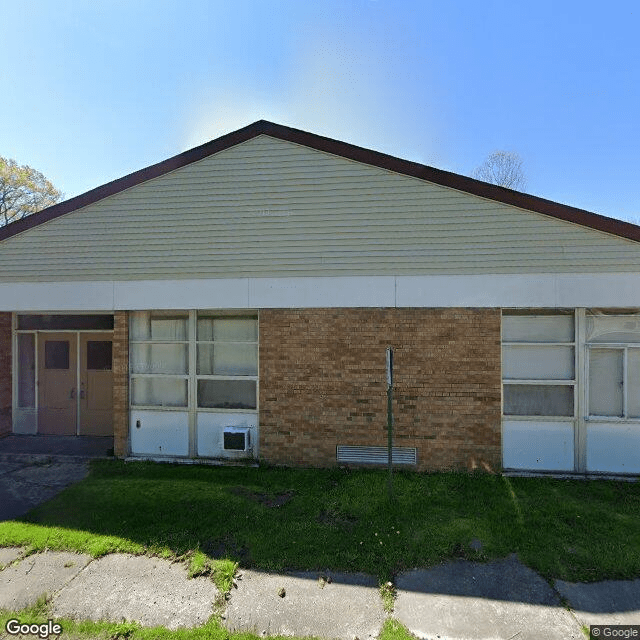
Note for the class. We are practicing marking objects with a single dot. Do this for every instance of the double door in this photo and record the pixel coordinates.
(75, 383)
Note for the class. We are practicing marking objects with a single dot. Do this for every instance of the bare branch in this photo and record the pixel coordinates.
(503, 169)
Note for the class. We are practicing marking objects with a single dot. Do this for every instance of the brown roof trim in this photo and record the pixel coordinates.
(338, 148)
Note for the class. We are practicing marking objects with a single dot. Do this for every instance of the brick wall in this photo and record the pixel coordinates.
(121, 383)
(322, 383)
(5, 374)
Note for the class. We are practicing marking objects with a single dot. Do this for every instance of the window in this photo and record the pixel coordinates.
(159, 359)
(227, 362)
(99, 355)
(194, 359)
(538, 365)
(614, 382)
(614, 366)
(56, 354)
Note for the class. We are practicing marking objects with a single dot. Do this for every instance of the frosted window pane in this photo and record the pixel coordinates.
(605, 382)
(26, 370)
(613, 329)
(538, 400)
(228, 329)
(537, 363)
(146, 325)
(633, 383)
(139, 325)
(228, 359)
(163, 328)
(235, 330)
(159, 392)
(159, 358)
(537, 328)
(227, 394)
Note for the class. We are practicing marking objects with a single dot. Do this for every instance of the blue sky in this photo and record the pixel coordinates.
(95, 89)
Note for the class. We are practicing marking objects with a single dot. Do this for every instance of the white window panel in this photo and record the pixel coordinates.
(159, 358)
(613, 329)
(606, 370)
(543, 445)
(538, 400)
(159, 392)
(227, 329)
(538, 363)
(633, 383)
(232, 359)
(148, 325)
(537, 328)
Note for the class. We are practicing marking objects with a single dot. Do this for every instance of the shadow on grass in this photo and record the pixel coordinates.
(276, 519)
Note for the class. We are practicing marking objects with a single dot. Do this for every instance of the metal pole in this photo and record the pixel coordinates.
(390, 419)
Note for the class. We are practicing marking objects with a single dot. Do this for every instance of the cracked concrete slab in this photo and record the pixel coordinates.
(303, 604)
(8, 555)
(24, 582)
(607, 602)
(476, 601)
(151, 591)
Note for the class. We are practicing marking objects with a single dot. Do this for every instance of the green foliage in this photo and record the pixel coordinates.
(23, 191)
(340, 520)
(393, 630)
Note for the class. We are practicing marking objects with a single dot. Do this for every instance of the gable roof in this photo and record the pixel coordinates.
(338, 148)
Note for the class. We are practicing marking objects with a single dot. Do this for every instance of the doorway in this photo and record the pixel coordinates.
(75, 383)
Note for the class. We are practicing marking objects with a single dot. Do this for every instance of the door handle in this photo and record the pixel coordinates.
(72, 394)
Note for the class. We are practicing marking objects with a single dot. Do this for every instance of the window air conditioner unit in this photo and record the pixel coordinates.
(237, 438)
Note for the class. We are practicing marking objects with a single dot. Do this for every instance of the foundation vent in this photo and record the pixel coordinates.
(376, 455)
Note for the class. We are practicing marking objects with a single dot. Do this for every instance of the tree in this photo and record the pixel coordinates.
(503, 169)
(23, 191)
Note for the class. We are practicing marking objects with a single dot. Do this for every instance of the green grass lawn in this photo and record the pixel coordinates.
(276, 519)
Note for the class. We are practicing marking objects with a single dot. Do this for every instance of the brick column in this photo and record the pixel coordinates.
(5, 374)
(121, 383)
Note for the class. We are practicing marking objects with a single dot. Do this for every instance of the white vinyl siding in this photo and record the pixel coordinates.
(269, 208)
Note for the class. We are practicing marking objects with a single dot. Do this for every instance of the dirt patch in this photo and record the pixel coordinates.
(228, 547)
(266, 499)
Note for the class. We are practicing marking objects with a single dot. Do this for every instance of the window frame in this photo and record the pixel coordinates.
(175, 376)
(192, 375)
(616, 346)
(542, 381)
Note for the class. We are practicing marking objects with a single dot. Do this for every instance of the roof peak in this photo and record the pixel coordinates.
(338, 148)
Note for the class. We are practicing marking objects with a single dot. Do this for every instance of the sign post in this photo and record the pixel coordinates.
(390, 419)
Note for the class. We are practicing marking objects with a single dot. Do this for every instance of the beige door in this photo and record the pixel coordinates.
(96, 384)
(57, 374)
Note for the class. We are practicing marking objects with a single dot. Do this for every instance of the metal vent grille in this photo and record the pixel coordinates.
(376, 455)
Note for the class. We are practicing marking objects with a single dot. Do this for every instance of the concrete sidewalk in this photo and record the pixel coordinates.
(457, 600)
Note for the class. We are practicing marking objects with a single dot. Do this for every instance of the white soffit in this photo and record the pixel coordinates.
(514, 291)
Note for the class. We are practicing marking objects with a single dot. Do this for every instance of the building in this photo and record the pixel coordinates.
(237, 300)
